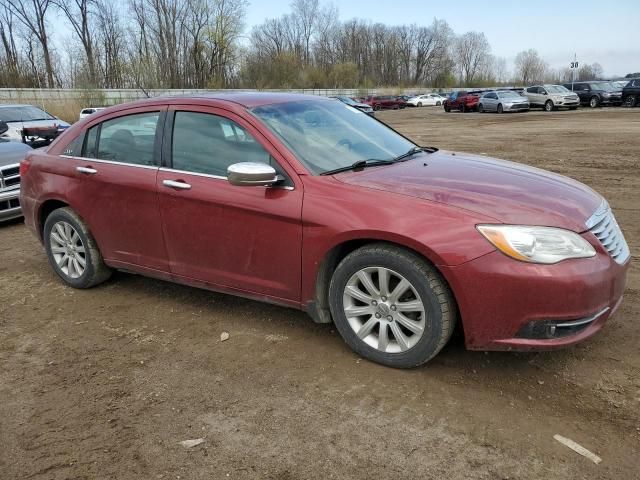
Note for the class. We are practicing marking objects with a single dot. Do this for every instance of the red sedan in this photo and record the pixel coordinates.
(305, 202)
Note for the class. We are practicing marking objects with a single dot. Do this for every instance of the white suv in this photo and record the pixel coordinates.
(551, 97)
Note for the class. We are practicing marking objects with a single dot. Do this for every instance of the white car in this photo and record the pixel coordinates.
(29, 124)
(85, 112)
(428, 99)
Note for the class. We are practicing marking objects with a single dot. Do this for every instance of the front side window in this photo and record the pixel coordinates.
(206, 143)
(128, 139)
(328, 135)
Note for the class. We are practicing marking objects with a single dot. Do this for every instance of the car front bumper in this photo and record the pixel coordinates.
(10, 204)
(510, 305)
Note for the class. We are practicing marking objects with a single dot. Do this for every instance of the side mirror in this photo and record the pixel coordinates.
(3, 127)
(251, 174)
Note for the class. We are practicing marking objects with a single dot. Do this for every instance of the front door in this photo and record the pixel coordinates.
(114, 167)
(248, 239)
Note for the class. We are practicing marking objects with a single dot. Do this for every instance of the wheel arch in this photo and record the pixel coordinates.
(318, 307)
(45, 209)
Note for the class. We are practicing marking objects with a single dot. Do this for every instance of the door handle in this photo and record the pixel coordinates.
(175, 184)
(87, 170)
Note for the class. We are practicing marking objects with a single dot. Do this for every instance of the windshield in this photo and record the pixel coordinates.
(606, 86)
(330, 135)
(23, 114)
(347, 100)
(509, 95)
(556, 89)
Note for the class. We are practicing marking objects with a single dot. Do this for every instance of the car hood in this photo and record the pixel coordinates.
(12, 152)
(508, 192)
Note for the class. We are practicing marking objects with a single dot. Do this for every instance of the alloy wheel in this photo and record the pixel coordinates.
(384, 309)
(67, 250)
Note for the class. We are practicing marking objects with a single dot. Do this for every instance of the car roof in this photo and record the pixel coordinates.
(16, 105)
(245, 99)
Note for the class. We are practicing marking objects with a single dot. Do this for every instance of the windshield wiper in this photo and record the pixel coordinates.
(372, 162)
(412, 151)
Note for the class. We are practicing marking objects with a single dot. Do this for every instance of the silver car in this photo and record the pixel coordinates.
(552, 97)
(503, 101)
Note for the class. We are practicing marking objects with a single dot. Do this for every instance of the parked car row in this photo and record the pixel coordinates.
(549, 97)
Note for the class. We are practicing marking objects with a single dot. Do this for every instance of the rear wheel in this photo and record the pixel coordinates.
(500, 109)
(72, 250)
(462, 108)
(630, 101)
(391, 306)
(447, 108)
(594, 102)
(548, 106)
(438, 103)
(419, 104)
(480, 108)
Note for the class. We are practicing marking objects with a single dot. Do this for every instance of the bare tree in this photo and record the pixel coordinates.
(529, 67)
(472, 53)
(32, 14)
(78, 13)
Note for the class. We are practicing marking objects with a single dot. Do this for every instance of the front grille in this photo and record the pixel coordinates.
(605, 227)
(520, 105)
(9, 204)
(9, 176)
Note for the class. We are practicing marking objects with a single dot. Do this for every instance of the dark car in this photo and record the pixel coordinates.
(462, 101)
(301, 201)
(631, 93)
(11, 154)
(389, 102)
(596, 93)
(363, 107)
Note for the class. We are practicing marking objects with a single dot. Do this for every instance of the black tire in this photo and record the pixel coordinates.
(594, 102)
(480, 108)
(447, 108)
(433, 291)
(438, 103)
(462, 108)
(95, 271)
(377, 108)
(500, 108)
(419, 104)
(548, 106)
(630, 101)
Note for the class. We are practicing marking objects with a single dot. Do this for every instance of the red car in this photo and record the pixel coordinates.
(305, 202)
(462, 101)
(379, 102)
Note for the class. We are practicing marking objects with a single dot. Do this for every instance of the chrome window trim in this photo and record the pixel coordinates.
(111, 162)
(216, 177)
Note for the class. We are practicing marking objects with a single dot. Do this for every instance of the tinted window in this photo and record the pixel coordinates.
(128, 139)
(74, 149)
(206, 143)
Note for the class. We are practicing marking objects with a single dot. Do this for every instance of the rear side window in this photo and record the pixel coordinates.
(206, 143)
(74, 149)
(128, 139)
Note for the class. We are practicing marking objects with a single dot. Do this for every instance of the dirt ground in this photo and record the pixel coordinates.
(105, 383)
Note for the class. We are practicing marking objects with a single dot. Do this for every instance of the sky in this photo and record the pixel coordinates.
(596, 31)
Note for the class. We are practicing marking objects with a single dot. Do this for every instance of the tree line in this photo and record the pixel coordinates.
(203, 44)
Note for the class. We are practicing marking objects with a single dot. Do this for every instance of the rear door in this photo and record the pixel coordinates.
(247, 239)
(115, 164)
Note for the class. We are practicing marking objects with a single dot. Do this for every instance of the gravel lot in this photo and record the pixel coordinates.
(105, 383)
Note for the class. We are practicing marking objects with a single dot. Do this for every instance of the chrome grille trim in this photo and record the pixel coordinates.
(9, 176)
(604, 226)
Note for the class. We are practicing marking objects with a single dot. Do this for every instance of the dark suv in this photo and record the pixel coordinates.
(596, 93)
(631, 93)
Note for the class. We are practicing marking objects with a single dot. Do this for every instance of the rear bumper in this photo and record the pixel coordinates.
(511, 305)
(10, 204)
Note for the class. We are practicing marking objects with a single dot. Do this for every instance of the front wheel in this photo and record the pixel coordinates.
(480, 108)
(447, 109)
(548, 106)
(630, 101)
(377, 108)
(438, 104)
(594, 102)
(72, 251)
(391, 306)
(500, 108)
(419, 104)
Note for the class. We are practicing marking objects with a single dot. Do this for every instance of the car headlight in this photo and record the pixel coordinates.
(537, 244)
